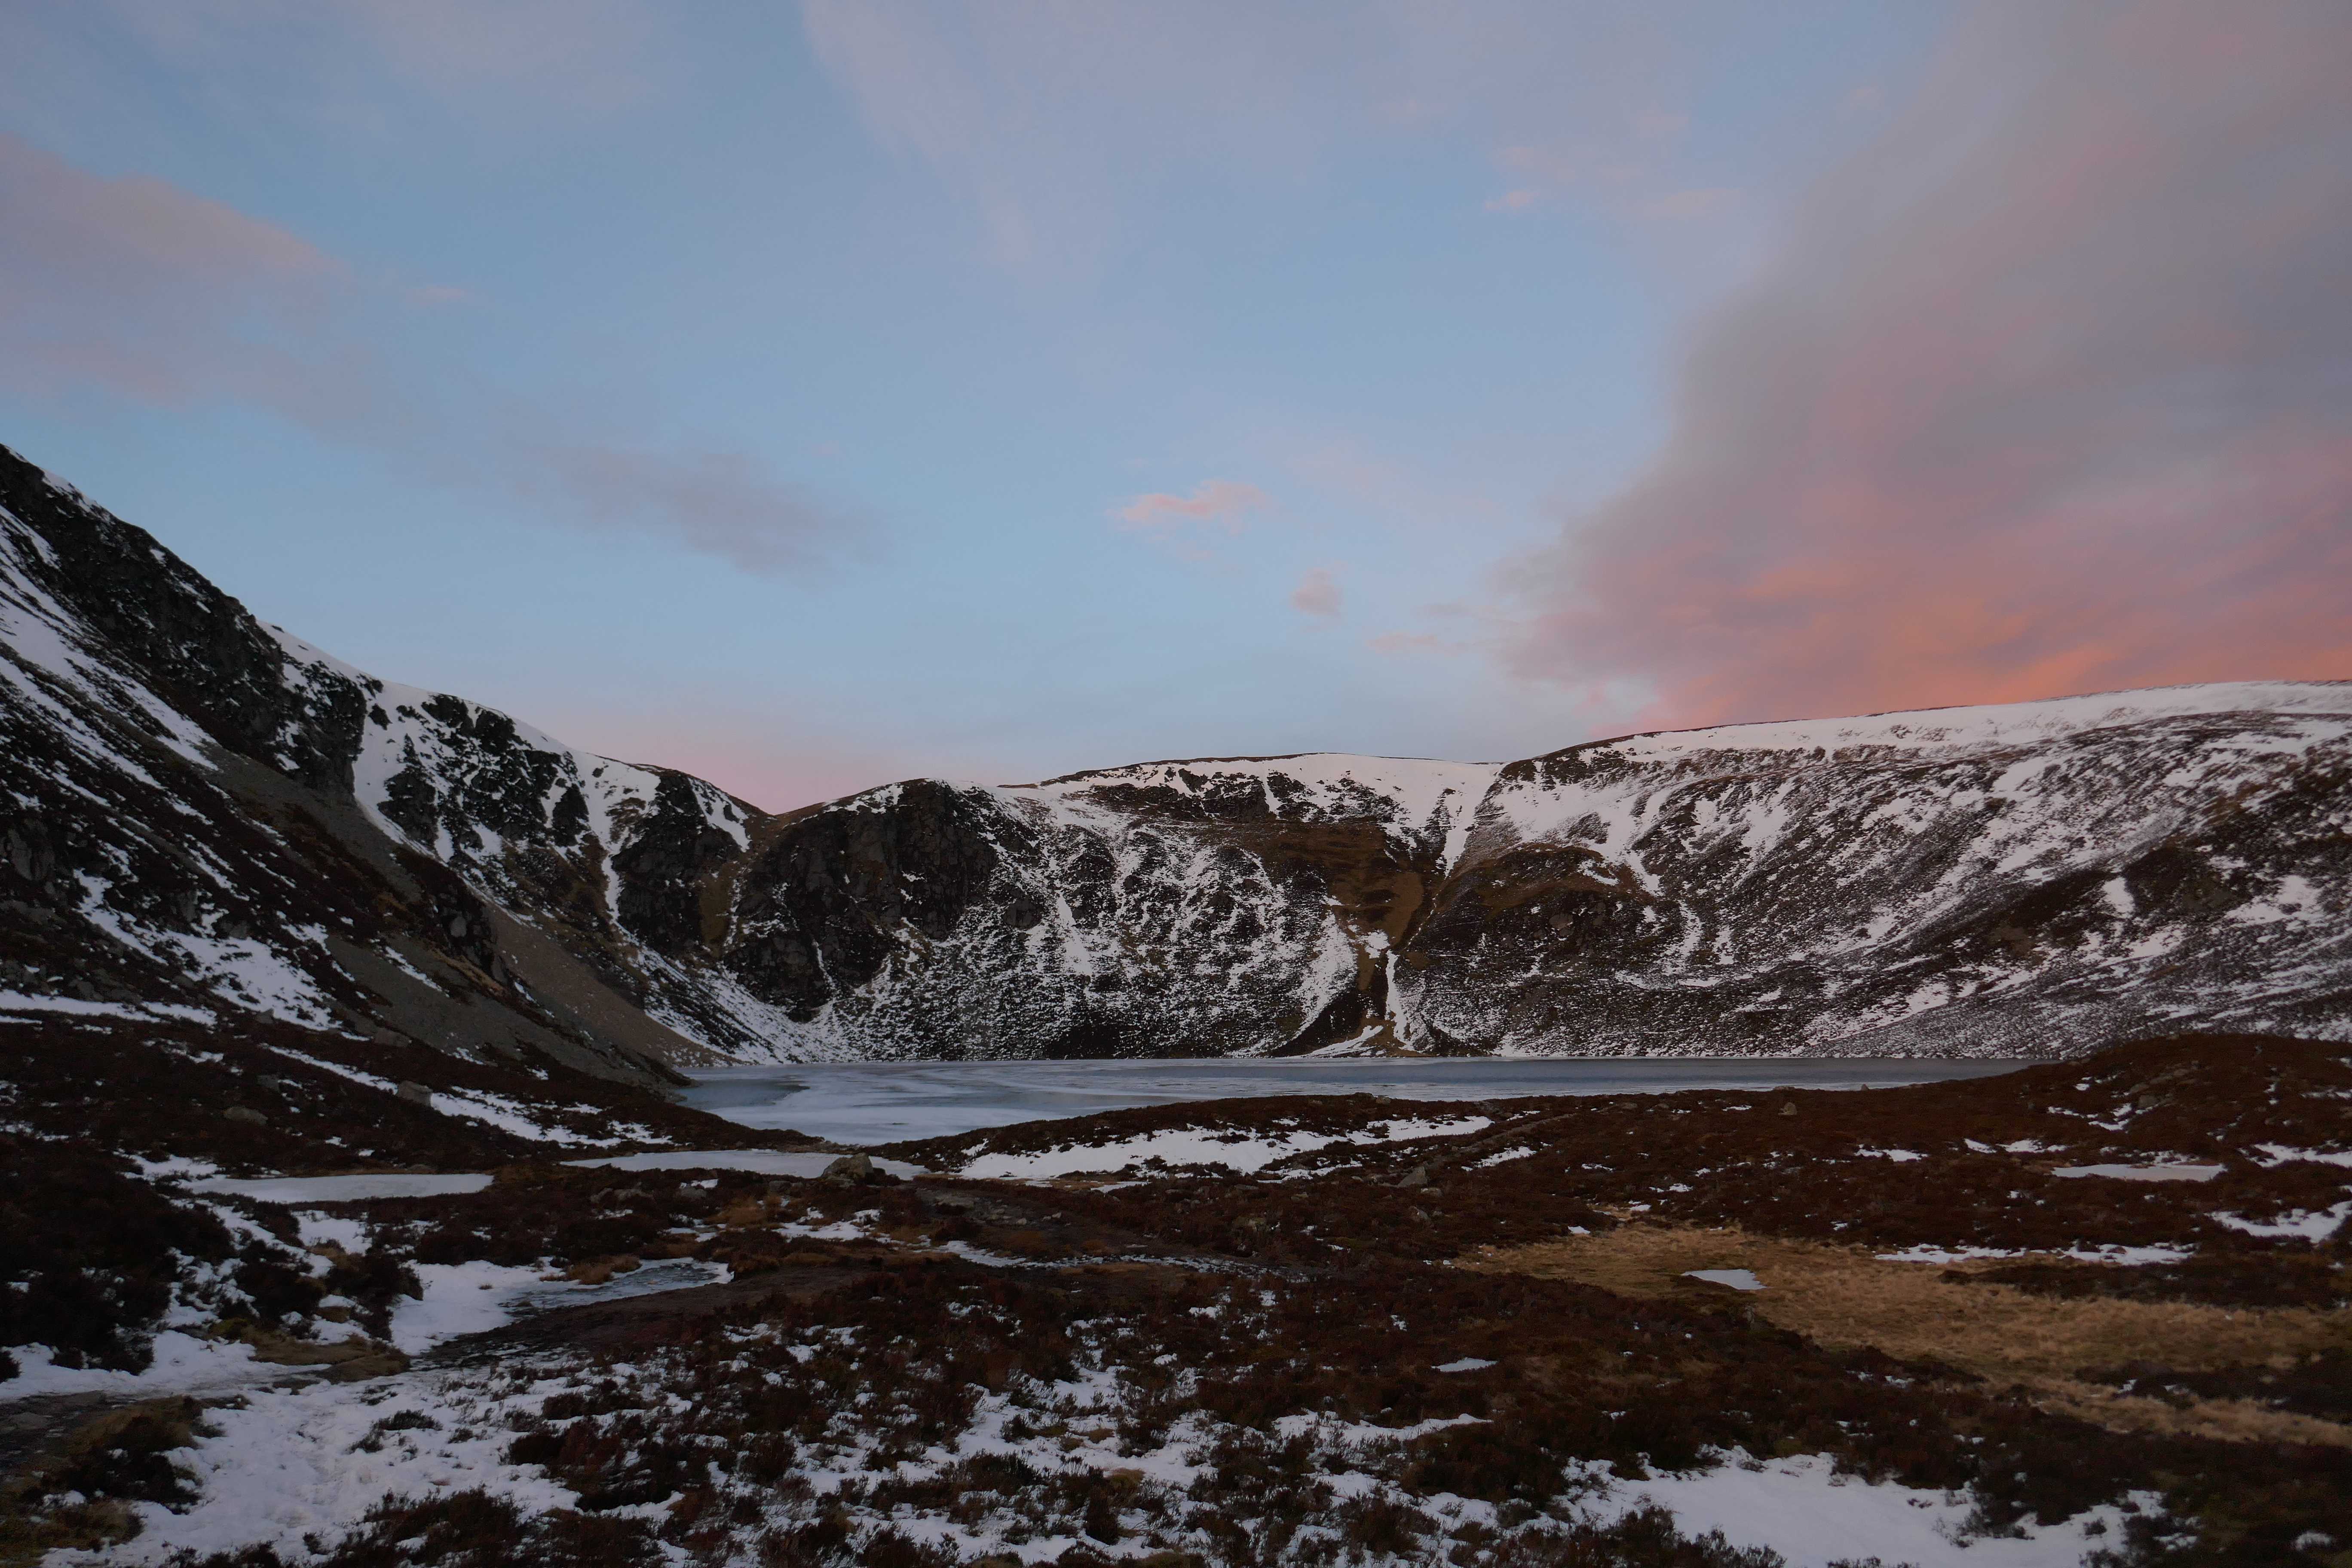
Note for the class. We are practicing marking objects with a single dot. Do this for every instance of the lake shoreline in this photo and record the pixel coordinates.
(891, 1102)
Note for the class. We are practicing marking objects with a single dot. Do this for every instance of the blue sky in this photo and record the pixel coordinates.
(759, 388)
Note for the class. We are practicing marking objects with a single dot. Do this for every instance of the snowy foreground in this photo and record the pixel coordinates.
(2085, 1314)
(303, 1467)
(307, 1466)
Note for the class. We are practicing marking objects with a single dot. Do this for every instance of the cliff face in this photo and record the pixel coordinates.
(206, 813)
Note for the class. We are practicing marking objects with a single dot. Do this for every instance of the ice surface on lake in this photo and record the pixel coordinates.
(884, 1102)
(766, 1162)
(340, 1189)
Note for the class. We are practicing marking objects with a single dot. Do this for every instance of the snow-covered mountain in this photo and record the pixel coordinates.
(2030, 879)
(207, 813)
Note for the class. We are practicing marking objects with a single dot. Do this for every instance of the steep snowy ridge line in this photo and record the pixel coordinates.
(2028, 723)
(2024, 878)
(1406, 795)
(178, 825)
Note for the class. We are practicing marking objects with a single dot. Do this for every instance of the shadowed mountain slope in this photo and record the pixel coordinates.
(207, 816)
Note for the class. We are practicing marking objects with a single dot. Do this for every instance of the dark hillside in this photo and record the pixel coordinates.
(201, 810)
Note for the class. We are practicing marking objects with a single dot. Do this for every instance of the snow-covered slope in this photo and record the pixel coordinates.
(182, 840)
(2031, 878)
(210, 813)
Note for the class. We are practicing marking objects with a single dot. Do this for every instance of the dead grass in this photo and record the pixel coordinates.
(2226, 1420)
(1842, 1296)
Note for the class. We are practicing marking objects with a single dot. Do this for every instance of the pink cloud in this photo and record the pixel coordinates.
(1408, 642)
(1318, 593)
(132, 288)
(770, 760)
(142, 288)
(523, 66)
(2050, 391)
(1678, 206)
(1219, 501)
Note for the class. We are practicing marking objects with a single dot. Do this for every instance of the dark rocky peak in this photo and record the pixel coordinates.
(131, 609)
(180, 835)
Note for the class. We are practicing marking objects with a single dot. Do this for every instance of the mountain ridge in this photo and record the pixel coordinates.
(2031, 879)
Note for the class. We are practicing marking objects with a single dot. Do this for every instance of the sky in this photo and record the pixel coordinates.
(814, 396)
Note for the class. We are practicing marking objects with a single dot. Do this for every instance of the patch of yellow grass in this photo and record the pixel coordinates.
(1843, 1296)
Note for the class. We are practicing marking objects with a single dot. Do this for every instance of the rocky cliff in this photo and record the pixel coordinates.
(206, 813)
(185, 840)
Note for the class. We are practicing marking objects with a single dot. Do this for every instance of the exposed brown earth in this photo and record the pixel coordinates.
(1845, 1297)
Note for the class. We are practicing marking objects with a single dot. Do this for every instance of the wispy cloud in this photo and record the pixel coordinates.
(132, 288)
(1318, 594)
(730, 504)
(1219, 501)
(1052, 116)
(2051, 390)
(524, 65)
(1409, 642)
(1549, 170)
(1678, 207)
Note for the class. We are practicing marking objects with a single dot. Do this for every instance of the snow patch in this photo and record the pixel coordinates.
(1803, 1509)
(2167, 1171)
(2304, 1223)
(1243, 1151)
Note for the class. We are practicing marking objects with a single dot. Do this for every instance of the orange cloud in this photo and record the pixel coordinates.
(2051, 391)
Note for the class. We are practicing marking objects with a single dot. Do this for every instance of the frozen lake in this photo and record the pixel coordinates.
(882, 1102)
